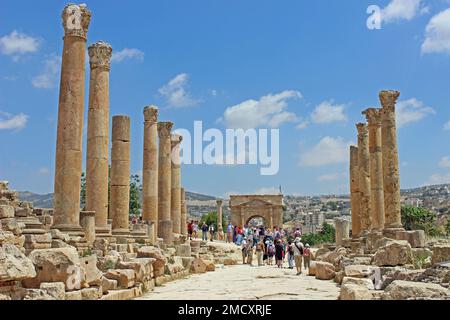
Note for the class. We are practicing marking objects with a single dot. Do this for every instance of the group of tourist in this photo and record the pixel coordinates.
(193, 227)
(272, 247)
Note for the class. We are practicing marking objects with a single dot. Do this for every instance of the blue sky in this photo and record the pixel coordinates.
(315, 62)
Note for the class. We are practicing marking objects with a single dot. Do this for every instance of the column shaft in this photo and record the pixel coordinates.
(364, 177)
(391, 181)
(68, 164)
(120, 175)
(354, 192)
(183, 222)
(97, 161)
(150, 169)
(376, 169)
(164, 182)
(175, 175)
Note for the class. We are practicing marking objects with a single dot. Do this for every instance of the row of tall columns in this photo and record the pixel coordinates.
(163, 199)
(374, 176)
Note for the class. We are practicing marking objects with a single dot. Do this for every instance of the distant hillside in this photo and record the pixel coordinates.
(46, 200)
(198, 196)
(38, 200)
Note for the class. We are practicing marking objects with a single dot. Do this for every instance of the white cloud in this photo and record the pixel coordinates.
(176, 94)
(269, 110)
(43, 171)
(127, 53)
(411, 110)
(269, 190)
(303, 124)
(11, 122)
(438, 179)
(398, 10)
(49, 76)
(447, 126)
(327, 112)
(328, 177)
(17, 44)
(329, 150)
(445, 162)
(437, 34)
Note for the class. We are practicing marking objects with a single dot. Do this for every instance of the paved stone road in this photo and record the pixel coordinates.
(245, 282)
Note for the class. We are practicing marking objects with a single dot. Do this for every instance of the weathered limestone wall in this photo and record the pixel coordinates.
(120, 174)
(68, 166)
(150, 169)
(97, 162)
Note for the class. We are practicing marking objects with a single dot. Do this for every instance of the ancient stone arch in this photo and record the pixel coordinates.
(246, 207)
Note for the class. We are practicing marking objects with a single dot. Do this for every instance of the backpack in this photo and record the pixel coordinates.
(299, 249)
(271, 249)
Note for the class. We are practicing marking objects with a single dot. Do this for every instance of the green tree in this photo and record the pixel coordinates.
(419, 218)
(326, 235)
(135, 195)
(211, 217)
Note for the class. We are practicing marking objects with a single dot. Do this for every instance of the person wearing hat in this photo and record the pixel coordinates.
(297, 247)
(244, 250)
(306, 256)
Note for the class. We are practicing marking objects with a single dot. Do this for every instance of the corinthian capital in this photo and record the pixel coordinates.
(362, 129)
(388, 99)
(164, 129)
(76, 19)
(373, 116)
(151, 113)
(175, 139)
(100, 55)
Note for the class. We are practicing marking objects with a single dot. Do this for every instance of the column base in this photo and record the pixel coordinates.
(165, 231)
(392, 232)
(103, 229)
(121, 232)
(70, 229)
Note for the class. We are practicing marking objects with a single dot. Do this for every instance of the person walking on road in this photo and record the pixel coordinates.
(297, 247)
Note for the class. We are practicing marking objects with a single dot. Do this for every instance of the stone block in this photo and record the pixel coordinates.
(324, 270)
(6, 211)
(74, 295)
(441, 253)
(198, 266)
(14, 265)
(355, 292)
(394, 253)
(108, 285)
(54, 289)
(89, 264)
(364, 282)
(93, 293)
(409, 290)
(125, 277)
(358, 271)
(143, 267)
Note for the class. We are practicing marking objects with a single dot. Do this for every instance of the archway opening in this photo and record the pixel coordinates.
(256, 222)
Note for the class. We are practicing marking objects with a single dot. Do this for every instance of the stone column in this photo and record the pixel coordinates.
(87, 221)
(68, 166)
(376, 169)
(150, 169)
(175, 176)
(391, 181)
(120, 175)
(242, 217)
(342, 227)
(183, 223)
(164, 182)
(219, 220)
(354, 192)
(271, 218)
(364, 177)
(97, 163)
